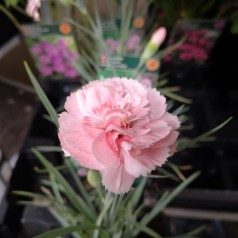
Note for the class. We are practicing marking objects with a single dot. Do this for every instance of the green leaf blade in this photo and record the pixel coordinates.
(41, 94)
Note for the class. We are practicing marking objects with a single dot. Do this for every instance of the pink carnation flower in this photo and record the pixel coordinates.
(120, 128)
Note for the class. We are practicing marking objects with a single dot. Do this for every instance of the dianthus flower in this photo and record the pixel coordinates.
(120, 128)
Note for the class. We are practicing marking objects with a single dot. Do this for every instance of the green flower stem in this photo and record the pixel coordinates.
(103, 214)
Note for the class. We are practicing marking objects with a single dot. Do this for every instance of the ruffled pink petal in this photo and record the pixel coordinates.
(117, 180)
(168, 141)
(133, 166)
(153, 158)
(76, 143)
(104, 153)
(157, 104)
(159, 130)
(171, 120)
(72, 106)
(92, 126)
(85, 159)
(94, 102)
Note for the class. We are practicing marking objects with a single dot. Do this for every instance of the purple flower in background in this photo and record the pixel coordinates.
(82, 172)
(133, 42)
(73, 55)
(49, 48)
(58, 68)
(55, 59)
(58, 64)
(112, 45)
(37, 49)
(46, 70)
(71, 73)
(45, 59)
(147, 82)
(61, 44)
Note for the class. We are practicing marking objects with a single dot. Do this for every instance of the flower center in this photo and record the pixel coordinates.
(124, 123)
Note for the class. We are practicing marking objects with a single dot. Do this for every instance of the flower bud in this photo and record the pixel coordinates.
(158, 36)
(153, 45)
(93, 178)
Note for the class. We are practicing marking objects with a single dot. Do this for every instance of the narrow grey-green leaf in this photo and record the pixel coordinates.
(147, 231)
(189, 143)
(162, 204)
(45, 101)
(64, 231)
(192, 233)
(74, 198)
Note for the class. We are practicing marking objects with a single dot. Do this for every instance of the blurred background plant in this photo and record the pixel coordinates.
(229, 10)
(168, 13)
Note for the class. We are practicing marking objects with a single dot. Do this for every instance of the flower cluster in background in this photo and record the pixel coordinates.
(55, 58)
(197, 46)
(198, 41)
(132, 46)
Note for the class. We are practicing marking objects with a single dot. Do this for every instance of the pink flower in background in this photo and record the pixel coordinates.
(147, 82)
(167, 58)
(32, 9)
(185, 46)
(186, 56)
(112, 45)
(200, 55)
(120, 128)
(201, 42)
